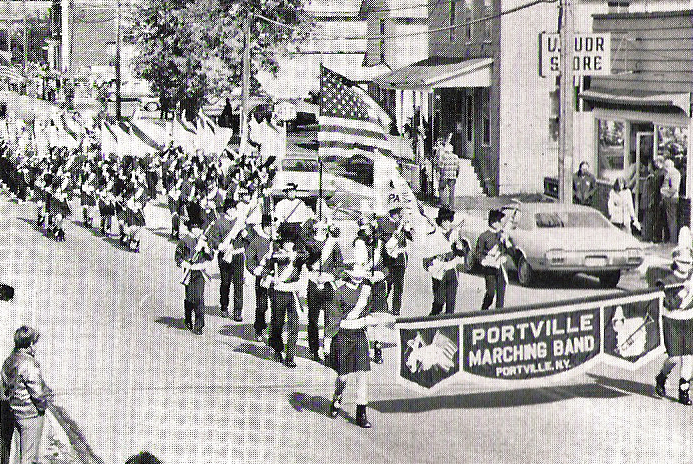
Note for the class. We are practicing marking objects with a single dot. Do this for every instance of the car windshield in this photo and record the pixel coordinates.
(565, 219)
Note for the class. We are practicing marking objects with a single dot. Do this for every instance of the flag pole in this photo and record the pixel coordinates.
(320, 192)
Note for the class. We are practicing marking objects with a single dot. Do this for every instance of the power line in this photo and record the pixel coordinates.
(409, 34)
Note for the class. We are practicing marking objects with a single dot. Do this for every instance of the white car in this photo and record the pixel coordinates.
(559, 238)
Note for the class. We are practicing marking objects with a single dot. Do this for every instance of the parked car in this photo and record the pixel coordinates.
(559, 238)
(149, 102)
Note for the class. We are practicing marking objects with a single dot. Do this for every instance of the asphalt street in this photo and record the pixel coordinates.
(131, 378)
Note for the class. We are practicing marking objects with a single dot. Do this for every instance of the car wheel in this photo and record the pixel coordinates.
(525, 273)
(610, 279)
(151, 106)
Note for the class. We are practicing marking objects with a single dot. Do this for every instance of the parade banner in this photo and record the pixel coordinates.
(528, 345)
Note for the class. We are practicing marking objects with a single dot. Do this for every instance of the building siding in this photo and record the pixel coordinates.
(527, 151)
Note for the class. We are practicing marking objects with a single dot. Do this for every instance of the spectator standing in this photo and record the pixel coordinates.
(658, 211)
(584, 185)
(647, 206)
(449, 170)
(25, 391)
(226, 114)
(620, 206)
(670, 197)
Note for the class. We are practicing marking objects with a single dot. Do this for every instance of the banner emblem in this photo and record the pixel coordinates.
(631, 330)
(430, 355)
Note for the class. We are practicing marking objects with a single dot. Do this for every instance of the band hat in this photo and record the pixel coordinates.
(683, 252)
(682, 256)
(495, 215)
(445, 214)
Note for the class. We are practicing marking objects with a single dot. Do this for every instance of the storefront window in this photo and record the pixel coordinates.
(611, 149)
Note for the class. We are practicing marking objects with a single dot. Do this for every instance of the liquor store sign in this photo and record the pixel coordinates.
(529, 345)
(591, 54)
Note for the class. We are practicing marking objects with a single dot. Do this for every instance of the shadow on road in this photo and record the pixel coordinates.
(629, 386)
(260, 351)
(163, 234)
(172, 322)
(496, 399)
(317, 404)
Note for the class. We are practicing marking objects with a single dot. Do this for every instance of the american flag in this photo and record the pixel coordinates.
(348, 118)
(447, 346)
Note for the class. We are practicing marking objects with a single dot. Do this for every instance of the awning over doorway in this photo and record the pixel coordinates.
(681, 101)
(437, 73)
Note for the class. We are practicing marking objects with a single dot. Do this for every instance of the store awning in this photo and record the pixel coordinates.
(681, 101)
(438, 73)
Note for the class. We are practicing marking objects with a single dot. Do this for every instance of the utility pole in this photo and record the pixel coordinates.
(25, 37)
(245, 89)
(117, 61)
(566, 104)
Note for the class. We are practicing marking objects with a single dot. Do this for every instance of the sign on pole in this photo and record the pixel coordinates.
(591, 54)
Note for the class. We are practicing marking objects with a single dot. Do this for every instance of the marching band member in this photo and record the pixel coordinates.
(192, 254)
(59, 207)
(292, 210)
(257, 253)
(395, 232)
(41, 187)
(175, 205)
(226, 236)
(443, 267)
(106, 199)
(677, 318)
(284, 280)
(368, 254)
(325, 264)
(346, 323)
(135, 214)
(88, 194)
(120, 186)
(491, 251)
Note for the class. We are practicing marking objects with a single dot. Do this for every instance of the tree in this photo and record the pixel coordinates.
(190, 50)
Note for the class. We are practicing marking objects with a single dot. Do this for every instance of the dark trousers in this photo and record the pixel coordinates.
(395, 287)
(195, 300)
(670, 209)
(6, 430)
(379, 297)
(232, 273)
(495, 287)
(318, 300)
(261, 304)
(445, 293)
(658, 222)
(283, 307)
